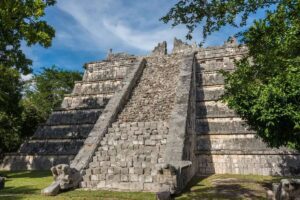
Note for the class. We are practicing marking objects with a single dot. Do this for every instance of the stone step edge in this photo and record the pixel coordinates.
(91, 94)
(55, 110)
(67, 124)
(99, 81)
(246, 152)
(52, 140)
(34, 154)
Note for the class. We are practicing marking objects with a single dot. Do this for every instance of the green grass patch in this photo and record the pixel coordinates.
(25, 185)
(28, 185)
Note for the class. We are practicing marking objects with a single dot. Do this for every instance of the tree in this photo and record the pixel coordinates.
(10, 111)
(213, 14)
(264, 88)
(20, 20)
(44, 93)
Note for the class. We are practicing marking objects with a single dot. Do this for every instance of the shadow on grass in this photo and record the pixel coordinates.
(210, 187)
(26, 174)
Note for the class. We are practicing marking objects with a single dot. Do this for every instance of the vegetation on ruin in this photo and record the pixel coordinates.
(264, 89)
(28, 185)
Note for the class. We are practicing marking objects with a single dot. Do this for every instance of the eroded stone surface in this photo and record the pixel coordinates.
(154, 96)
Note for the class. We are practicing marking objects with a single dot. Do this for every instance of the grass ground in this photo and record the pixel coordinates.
(27, 185)
(233, 187)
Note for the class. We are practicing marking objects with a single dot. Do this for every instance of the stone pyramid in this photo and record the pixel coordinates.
(142, 123)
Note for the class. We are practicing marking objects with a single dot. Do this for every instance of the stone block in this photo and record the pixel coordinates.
(134, 177)
(101, 184)
(124, 178)
(148, 179)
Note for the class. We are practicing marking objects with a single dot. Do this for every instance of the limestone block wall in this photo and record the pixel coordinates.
(62, 136)
(225, 144)
(128, 156)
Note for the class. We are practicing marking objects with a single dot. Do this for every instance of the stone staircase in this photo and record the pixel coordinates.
(131, 154)
(61, 137)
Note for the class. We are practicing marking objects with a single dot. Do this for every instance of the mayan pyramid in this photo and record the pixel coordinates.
(139, 123)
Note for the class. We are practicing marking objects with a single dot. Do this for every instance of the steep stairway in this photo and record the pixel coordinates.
(130, 154)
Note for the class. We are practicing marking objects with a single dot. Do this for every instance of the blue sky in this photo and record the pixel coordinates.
(86, 30)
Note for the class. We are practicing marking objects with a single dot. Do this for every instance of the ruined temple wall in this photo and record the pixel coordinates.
(61, 137)
(225, 144)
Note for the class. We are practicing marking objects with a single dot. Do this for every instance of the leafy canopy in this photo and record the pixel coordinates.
(10, 111)
(213, 14)
(264, 88)
(20, 20)
(266, 92)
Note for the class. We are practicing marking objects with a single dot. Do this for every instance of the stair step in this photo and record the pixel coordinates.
(53, 147)
(209, 93)
(63, 131)
(97, 87)
(74, 117)
(84, 102)
(209, 78)
(213, 109)
(221, 126)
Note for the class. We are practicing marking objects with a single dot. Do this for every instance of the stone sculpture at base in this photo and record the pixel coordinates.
(287, 189)
(65, 178)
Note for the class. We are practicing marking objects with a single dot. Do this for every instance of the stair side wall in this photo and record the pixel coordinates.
(225, 143)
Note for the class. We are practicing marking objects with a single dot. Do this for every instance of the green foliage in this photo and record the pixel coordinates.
(213, 14)
(20, 20)
(266, 92)
(44, 93)
(10, 87)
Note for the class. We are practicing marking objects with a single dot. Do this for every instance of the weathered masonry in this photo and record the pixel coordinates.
(147, 123)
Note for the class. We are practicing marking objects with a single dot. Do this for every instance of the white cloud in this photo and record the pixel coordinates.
(144, 40)
(26, 77)
(122, 25)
